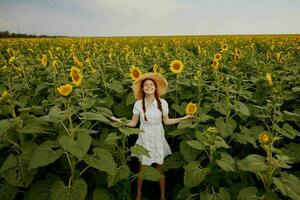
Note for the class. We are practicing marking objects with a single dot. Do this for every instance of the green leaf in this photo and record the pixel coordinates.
(296, 89)
(104, 111)
(219, 143)
(55, 115)
(270, 196)
(177, 132)
(112, 139)
(288, 184)
(7, 192)
(77, 191)
(207, 196)
(227, 162)
(121, 173)
(225, 128)
(101, 160)
(253, 163)
(188, 153)
(248, 193)
(78, 147)
(6, 124)
(139, 150)
(196, 144)
(186, 123)
(242, 108)
(174, 161)
(204, 117)
(15, 168)
(291, 116)
(184, 194)
(223, 107)
(115, 86)
(248, 135)
(130, 99)
(130, 131)
(41, 190)
(292, 150)
(179, 109)
(223, 194)
(45, 154)
(193, 175)
(94, 116)
(287, 131)
(150, 173)
(102, 194)
(290, 130)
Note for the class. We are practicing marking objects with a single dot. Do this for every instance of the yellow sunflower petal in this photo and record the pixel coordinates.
(176, 66)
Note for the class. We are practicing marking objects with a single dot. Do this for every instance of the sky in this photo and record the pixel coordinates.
(150, 17)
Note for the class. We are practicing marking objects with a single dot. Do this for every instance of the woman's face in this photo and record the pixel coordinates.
(149, 87)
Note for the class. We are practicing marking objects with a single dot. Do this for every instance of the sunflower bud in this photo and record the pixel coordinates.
(264, 137)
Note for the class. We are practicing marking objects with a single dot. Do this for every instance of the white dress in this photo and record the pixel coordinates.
(153, 136)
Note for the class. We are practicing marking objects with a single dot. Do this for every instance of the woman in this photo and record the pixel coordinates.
(151, 110)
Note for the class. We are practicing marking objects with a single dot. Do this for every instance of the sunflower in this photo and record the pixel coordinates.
(4, 94)
(146, 51)
(269, 79)
(135, 73)
(76, 76)
(191, 108)
(197, 76)
(264, 137)
(224, 47)
(217, 57)
(176, 66)
(215, 65)
(161, 70)
(279, 57)
(155, 67)
(76, 61)
(221, 78)
(110, 57)
(65, 90)
(237, 57)
(44, 60)
(211, 130)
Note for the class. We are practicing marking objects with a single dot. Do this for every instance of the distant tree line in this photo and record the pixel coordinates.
(7, 34)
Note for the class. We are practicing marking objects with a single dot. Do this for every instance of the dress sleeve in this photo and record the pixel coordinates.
(165, 107)
(136, 110)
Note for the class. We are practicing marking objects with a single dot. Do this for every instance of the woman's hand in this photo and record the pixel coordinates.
(113, 118)
(188, 116)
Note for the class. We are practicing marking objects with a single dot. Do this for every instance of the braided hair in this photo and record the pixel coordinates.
(156, 97)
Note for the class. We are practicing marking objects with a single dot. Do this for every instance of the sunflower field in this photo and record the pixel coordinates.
(57, 96)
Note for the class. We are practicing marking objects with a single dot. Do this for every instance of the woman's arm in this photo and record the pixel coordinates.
(168, 121)
(132, 123)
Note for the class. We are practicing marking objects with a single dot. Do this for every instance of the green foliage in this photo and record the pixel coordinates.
(218, 154)
(76, 191)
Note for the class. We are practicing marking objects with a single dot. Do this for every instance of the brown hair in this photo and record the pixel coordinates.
(156, 97)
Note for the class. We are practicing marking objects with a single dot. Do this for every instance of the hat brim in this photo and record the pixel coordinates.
(161, 82)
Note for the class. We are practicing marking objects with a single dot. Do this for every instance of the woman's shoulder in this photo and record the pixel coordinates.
(163, 101)
(138, 102)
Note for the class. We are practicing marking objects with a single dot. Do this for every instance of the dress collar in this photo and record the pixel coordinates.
(150, 104)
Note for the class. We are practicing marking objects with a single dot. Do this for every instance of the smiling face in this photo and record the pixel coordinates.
(149, 87)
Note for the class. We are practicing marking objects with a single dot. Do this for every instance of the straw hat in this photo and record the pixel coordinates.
(161, 82)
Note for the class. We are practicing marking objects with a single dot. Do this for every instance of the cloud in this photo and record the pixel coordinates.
(144, 17)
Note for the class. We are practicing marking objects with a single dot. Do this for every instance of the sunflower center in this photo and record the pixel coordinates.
(176, 66)
(65, 89)
(76, 76)
(191, 109)
(136, 73)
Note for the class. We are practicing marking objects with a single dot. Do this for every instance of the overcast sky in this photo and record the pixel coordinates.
(150, 17)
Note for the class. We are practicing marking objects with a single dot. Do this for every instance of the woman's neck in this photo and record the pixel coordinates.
(150, 98)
